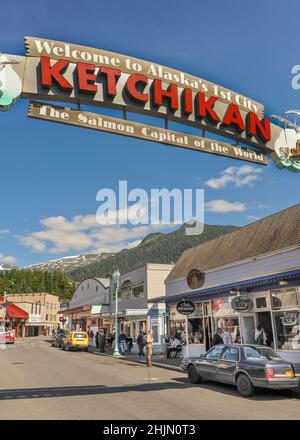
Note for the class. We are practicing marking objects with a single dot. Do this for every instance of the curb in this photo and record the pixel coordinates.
(138, 361)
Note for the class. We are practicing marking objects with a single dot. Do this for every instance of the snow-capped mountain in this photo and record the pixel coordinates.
(68, 263)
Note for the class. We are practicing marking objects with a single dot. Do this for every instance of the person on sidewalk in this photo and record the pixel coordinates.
(149, 347)
(217, 338)
(141, 343)
(122, 342)
(175, 346)
(97, 340)
(101, 343)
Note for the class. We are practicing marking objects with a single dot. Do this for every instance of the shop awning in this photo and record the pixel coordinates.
(13, 311)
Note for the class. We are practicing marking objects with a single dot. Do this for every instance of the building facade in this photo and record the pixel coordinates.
(83, 311)
(42, 311)
(93, 304)
(246, 278)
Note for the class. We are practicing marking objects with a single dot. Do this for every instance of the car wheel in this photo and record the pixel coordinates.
(85, 349)
(193, 374)
(244, 385)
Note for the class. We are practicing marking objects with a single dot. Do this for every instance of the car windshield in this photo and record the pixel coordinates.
(260, 353)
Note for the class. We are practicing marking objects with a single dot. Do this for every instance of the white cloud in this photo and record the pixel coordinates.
(83, 233)
(222, 206)
(245, 175)
(5, 259)
(4, 231)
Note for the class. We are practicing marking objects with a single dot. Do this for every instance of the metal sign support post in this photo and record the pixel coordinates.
(187, 335)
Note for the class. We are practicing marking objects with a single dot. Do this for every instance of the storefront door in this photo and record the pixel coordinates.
(264, 319)
(248, 328)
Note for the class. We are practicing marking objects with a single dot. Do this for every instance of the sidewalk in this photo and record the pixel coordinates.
(158, 360)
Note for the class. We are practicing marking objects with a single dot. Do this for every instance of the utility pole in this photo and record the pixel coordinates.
(116, 284)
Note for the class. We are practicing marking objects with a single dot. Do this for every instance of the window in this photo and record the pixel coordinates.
(287, 328)
(47, 305)
(138, 291)
(46, 317)
(261, 303)
(215, 353)
(285, 298)
(230, 354)
(252, 353)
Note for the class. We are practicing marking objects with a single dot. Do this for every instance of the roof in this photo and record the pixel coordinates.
(104, 281)
(13, 311)
(277, 231)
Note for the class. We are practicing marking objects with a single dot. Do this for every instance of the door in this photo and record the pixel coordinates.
(228, 364)
(264, 319)
(208, 363)
(248, 329)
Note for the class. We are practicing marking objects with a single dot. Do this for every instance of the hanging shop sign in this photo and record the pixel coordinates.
(64, 72)
(185, 307)
(241, 303)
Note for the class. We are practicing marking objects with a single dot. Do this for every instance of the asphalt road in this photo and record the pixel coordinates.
(41, 382)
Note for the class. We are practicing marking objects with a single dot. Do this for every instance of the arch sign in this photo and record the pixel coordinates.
(67, 73)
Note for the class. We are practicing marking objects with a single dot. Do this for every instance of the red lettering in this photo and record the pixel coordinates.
(86, 78)
(131, 87)
(187, 101)
(112, 76)
(257, 127)
(171, 93)
(48, 73)
(234, 117)
(205, 107)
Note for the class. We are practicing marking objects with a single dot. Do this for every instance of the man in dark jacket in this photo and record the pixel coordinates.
(217, 339)
(141, 343)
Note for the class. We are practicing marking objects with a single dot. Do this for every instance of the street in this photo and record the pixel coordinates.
(41, 382)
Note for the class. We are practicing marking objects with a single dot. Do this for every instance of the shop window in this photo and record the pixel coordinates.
(138, 291)
(285, 298)
(261, 302)
(155, 330)
(287, 327)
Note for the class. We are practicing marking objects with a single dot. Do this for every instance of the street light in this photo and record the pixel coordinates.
(116, 281)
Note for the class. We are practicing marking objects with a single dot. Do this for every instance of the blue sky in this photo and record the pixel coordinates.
(50, 173)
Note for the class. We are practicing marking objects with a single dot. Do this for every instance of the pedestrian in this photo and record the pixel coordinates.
(217, 338)
(141, 343)
(149, 347)
(122, 342)
(175, 346)
(129, 343)
(97, 340)
(227, 336)
(101, 341)
(260, 335)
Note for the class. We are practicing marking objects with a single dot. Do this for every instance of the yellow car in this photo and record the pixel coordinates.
(75, 340)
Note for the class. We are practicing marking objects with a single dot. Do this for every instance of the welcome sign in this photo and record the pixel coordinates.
(64, 72)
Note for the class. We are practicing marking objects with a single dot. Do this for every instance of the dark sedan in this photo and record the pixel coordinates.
(246, 366)
(57, 339)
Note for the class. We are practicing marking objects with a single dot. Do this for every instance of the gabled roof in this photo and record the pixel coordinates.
(104, 281)
(277, 231)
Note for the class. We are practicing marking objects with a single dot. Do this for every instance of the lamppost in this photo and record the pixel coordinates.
(116, 281)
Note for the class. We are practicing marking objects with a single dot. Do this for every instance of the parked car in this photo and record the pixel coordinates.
(246, 366)
(7, 336)
(75, 340)
(57, 338)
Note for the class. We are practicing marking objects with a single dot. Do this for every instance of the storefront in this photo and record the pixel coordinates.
(239, 313)
(240, 283)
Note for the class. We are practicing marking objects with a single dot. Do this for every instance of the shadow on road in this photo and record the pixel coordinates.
(260, 393)
(177, 384)
(39, 393)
